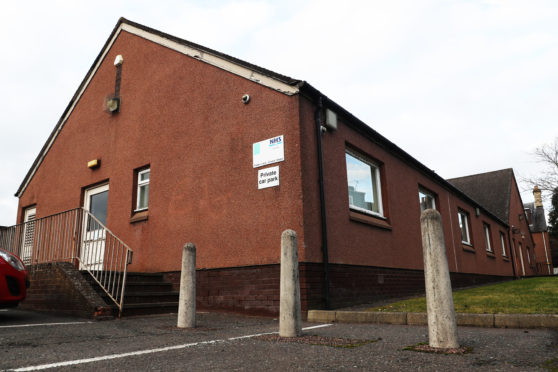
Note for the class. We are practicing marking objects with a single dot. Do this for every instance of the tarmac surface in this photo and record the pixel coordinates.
(37, 341)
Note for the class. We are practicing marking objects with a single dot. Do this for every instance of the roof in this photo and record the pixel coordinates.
(259, 75)
(491, 189)
(538, 218)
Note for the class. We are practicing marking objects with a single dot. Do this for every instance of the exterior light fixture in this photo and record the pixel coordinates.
(95, 163)
(113, 104)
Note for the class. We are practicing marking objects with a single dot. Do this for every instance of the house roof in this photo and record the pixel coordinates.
(259, 75)
(491, 189)
(538, 218)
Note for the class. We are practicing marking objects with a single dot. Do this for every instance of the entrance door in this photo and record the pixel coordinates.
(28, 235)
(95, 201)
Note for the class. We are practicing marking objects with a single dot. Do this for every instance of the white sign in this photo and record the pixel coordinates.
(270, 151)
(268, 177)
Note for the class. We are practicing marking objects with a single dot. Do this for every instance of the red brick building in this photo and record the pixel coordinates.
(166, 142)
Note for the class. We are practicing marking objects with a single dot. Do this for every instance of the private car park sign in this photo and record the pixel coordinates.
(268, 177)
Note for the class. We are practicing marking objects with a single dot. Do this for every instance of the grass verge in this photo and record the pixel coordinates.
(523, 296)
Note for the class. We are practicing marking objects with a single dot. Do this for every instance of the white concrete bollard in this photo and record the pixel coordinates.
(442, 328)
(187, 299)
(290, 320)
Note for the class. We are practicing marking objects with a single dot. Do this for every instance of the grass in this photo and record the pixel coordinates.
(524, 296)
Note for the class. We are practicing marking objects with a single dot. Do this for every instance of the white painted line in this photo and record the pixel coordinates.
(317, 326)
(143, 352)
(42, 324)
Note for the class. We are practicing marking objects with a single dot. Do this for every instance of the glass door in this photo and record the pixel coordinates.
(95, 202)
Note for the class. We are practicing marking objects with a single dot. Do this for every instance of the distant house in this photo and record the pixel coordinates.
(166, 142)
(499, 193)
(537, 224)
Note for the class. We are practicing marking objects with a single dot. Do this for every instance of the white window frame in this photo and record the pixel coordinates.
(463, 219)
(429, 194)
(503, 242)
(374, 167)
(141, 184)
(487, 240)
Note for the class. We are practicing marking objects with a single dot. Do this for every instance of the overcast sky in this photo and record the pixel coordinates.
(463, 86)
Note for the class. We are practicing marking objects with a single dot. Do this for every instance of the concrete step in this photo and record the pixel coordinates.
(145, 277)
(150, 308)
(137, 287)
(150, 297)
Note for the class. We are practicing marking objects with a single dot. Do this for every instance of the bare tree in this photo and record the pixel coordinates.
(547, 180)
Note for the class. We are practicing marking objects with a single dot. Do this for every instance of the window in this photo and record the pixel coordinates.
(363, 177)
(142, 190)
(487, 238)
(528, 255)
(427, 200)
(464, 226)
(503, 242)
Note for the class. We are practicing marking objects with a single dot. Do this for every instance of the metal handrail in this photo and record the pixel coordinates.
(78, 237)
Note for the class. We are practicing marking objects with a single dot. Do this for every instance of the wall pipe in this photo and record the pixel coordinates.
(325, 255)
(512, 249)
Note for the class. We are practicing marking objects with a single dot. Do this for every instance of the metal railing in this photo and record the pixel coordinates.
(74, 236)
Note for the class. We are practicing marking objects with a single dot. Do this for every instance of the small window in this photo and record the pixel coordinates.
(363, 177)
(464, 226)
(528, 255)
(427, 200)
(487, 238)
(142, 190)
(503, 243)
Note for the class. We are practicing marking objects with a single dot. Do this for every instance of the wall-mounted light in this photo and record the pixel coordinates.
(95, 163)
(113, 104)
(118, 60)
(331, 120)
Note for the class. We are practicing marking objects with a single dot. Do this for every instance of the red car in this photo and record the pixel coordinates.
(13, 279)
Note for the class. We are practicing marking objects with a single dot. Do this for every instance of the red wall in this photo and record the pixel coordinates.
(354, 238)
(186, 120)
(541, 240)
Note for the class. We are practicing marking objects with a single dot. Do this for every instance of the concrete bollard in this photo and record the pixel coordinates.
(290, 320)
(187, 299)
(442, 327)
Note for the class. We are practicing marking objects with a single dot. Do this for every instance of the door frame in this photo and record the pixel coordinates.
(26, 250)
(87, 236)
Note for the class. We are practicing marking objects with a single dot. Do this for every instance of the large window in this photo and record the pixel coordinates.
(427, 200)
(487, 238)
(363, 177)
(503, 242)
(142, 189)
(464, 226)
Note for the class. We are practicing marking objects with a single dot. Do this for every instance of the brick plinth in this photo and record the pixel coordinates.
(60, 287)
(255, 289)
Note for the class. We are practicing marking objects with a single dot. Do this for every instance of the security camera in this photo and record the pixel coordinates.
(245, 99)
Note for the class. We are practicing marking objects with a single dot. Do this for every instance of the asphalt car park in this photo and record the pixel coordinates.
(36, 341)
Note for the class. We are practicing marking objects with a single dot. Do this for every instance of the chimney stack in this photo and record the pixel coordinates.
(537, 195)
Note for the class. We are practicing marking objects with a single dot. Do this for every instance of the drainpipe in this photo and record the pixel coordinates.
(325, 255)
(512, 248)
(546, 253)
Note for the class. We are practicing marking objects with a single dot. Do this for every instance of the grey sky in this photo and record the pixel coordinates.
(463, 86)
